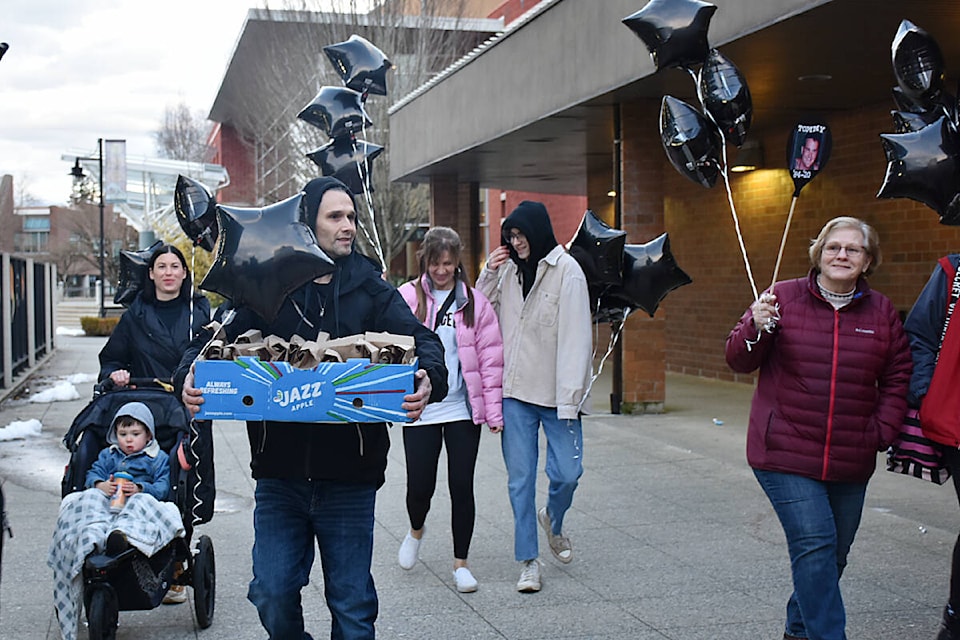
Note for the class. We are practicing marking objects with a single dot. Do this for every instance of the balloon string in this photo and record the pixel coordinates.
(736, 220)
(368, 199)
(726, 182)
(614, 336)
(783, 242)
(193, 270)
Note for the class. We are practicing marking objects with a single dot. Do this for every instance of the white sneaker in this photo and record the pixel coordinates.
(529, 577)
(559, 543)
(409, 551)
(466, 583)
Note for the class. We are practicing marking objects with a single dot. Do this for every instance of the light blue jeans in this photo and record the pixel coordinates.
(288, 516)
(521, 445)
(820, 520)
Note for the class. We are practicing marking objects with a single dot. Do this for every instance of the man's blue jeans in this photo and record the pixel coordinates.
(288, 515)
(820, 520)
(521, 443)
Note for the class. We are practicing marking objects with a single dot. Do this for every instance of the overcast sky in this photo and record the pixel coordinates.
(78, 71)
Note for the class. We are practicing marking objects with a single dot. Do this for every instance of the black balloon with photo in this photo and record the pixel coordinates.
(348, 160)
(650, 272)
(336, 111)
(674, 31)
(691, 142)
(361, 66)
(195, 207)
(726, 97)
(133, 273)
(263, 255)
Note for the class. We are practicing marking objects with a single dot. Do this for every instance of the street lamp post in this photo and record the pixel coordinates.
(77, 173)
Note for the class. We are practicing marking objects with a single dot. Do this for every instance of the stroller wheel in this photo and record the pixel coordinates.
(204, 582)
(102, 614)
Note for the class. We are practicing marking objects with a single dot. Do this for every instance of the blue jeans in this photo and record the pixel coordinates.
(521, 444)
(820, 520)
(287, 517)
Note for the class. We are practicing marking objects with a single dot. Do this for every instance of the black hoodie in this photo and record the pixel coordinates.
(532, 220)
(356, 300)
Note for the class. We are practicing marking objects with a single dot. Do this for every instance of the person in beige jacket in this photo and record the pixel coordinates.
(541, 298)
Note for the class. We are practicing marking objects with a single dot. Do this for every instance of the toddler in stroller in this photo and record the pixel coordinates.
(127, 559)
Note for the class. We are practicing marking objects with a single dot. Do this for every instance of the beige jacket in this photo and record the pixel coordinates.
(547, 337)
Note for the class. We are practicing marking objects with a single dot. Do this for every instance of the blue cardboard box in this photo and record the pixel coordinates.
(357, 390)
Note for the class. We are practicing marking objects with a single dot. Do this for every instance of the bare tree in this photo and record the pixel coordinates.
(182, 135)
(22, 194)
(80, 251)
(291, 68)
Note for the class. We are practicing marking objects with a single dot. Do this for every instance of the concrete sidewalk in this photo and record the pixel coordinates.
(673, 538)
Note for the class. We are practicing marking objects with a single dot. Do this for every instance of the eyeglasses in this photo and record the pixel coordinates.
(852, 251)
(515, 236)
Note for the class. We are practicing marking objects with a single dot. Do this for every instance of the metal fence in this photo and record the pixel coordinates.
(28, 290)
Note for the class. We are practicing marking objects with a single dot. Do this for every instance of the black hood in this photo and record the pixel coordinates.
(532, 220)
(313, 193)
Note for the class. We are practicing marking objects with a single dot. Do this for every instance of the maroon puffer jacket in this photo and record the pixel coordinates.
(832, 385)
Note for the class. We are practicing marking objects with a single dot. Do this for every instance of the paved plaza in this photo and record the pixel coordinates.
(673, 538)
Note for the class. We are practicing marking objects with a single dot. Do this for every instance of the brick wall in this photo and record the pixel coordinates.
(704, 241)
(236, 155)
(512, 9)
(644, 345)
(566, 212)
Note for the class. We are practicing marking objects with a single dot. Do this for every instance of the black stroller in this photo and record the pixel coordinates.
(131, 581)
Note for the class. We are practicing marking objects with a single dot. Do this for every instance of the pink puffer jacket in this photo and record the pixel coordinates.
(479, 347)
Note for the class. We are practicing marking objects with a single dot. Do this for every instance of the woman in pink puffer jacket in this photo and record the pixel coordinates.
(473, 350)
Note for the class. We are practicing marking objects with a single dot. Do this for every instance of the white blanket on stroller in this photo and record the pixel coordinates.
(84, 522)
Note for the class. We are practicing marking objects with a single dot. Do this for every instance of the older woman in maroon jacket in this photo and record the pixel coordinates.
(834, 368)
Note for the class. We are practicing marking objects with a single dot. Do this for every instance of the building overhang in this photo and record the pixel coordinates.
(532, 109)
(265, 32)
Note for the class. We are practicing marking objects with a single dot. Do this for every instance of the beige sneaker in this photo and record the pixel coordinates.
(559, 543)
(176, 595)
(529, 577)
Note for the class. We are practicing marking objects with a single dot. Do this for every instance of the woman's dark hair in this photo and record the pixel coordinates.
(435, 242)
(186, 287)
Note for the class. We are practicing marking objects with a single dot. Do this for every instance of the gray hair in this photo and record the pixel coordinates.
(871, 241)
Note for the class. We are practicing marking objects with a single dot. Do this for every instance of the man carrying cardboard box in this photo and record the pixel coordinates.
(320, 480)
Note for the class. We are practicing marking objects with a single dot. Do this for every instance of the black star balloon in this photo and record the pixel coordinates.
(348, 160)
(692, 142)
(337, 111)
(922, 165)
(906, 121)
(599, 250)
(361, 66)
(675, 31)
(650, 272)
(264, 254)
(196, 212)
(726, 97)
(133, 273)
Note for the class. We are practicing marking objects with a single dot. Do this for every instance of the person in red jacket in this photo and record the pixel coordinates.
(924, 327)
(834, 367)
